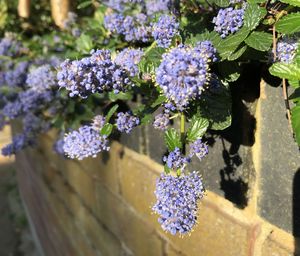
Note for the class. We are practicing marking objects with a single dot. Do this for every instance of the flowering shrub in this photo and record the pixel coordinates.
(178, 58)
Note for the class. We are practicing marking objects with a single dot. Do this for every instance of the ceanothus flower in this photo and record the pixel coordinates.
(129, 59)
(32, 100)
(164, 30)
(286, 50)
(198, 148)
(176, 160)
(41, 78)
(97, 73)
(114, 23)
(161, 121)
(228, 21)
(155, 6)
(84, 142)
(9, 46)
(33, 124)
(16, 76)
(19, 142)
(126, 122)
(184, 73)
(12, 109)
(177, 202)
(3, 122)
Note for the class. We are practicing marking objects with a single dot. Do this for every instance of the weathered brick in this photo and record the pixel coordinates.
(139, 236)
(218, 232)
(279, 243)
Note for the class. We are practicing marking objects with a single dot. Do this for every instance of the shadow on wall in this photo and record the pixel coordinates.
(296, 212)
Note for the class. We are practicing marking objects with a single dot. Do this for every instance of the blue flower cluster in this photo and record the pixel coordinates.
(84, 142)
(41, 79)
(177, 199)
(33, 124)
(164, 30)
(126, 122)
(129, 60)
(184, 73)
(16, 74)
(228, 21)
(9, 46)
(161, 121)
(158, 6)
(198, 148)
(133, 28)
(97, 73)
(19, 142)
(176, 160)
(286, 49)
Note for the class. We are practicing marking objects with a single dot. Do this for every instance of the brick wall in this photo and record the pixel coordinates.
(102, 207)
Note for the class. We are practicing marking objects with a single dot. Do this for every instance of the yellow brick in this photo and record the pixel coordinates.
(138, 236)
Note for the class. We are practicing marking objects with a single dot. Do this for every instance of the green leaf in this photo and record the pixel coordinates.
(283, 70)
(294, 83)
(167, 169)
(146, 119)
(84, 4)
(229, 45)
(260, 41)
(107, 129)
(253, 15)
(160, 99)
(292, 2)
(296, 122)
(215, 105)
(197, 128)
(84, 43)
(220, 3)
(111, 112)
(289, 24)
(237, 53)
(3, 13)
(119, 96)
(151, 60)
(172, 139)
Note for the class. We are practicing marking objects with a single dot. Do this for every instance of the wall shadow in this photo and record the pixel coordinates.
(296, 211)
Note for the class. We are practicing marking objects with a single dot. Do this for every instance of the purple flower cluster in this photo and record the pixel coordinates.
(164, 30)
(176, 160)
(84, 142)
(19, 142)
(198, 148)
(129, 59)
(98, 122)
(16, 74)
(12, 109)
(177, 202)
(286, 50)
(122, 5)
(126, 122)
(41, 78)
(58, 146)
(33, 124)
(184, 73)
(97, 73)
(155, 6)
(161, 121)
(32, 100)
(9, 46)
(133, 28)
(228, 21)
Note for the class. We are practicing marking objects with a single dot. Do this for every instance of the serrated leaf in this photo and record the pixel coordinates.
(151, 60)
(260, 41)
(294, 83)
(172, 139)
(107, 129)
(296, 122)
(197, 128)
(215, 105)
(292, 2)
(111, 112)
(283, 70)
(253, 15)
(229, 45)
(289, 24)
(237, 53)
